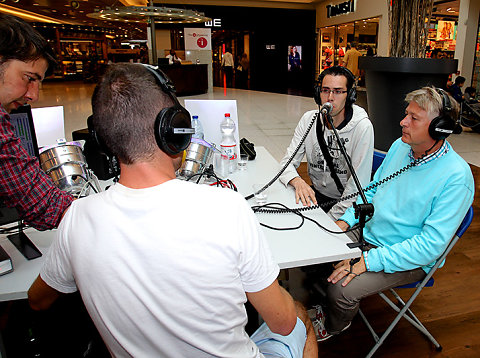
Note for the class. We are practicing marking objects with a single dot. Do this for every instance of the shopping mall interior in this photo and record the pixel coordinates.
(269, 103)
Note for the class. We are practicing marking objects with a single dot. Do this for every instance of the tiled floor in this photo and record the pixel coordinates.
(265, 119)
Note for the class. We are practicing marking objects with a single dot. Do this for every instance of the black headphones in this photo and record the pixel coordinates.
(101, 147)
(336, 71)
(173, 125)
(442, 126)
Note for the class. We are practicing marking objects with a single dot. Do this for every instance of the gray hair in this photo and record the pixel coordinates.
(429, 99)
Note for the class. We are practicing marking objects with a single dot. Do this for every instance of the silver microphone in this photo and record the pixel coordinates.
(326, 108)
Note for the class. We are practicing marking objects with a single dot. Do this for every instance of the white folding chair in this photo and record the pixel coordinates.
(403, 308)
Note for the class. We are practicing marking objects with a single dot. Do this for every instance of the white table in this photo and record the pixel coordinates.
(306, 246)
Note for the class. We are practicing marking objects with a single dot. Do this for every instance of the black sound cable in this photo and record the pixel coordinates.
(271, 209)
(284, 208)
(315, 117)
(347, 197)
(87, 182)
(209, 172)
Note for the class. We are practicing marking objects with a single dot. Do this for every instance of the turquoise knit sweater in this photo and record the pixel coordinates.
(417, 212)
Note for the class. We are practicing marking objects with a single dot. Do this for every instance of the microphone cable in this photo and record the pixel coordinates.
(310, 125)
(209, 172)
(270, 209)
(284, 208)
(347, 197)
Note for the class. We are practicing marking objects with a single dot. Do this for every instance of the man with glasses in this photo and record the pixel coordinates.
(416, 214)
(336, 85)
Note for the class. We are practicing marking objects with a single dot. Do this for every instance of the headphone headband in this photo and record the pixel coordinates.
(446, 104)
(443, 125)
(162, 79)
(336, 71)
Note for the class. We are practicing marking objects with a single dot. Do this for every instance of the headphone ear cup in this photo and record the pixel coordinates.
(316, 94)
(166, 122)
(441, 127)
(102, 148)
(352, 94)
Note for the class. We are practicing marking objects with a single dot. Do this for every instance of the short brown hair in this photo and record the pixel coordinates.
(125, 105)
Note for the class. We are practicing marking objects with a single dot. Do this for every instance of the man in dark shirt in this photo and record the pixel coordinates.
(456, 89)
(25, 58)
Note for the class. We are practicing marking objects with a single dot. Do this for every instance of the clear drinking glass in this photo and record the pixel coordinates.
(261, 198)
(242, 162)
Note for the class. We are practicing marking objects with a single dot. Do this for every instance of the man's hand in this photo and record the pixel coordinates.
(342, 225)
(342, 269)
(303, 192)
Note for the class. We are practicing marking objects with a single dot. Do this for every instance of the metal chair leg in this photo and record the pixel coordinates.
(414, 321)
(369, 326)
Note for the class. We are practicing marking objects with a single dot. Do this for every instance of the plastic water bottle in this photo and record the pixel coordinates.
(197, 125)
(228, 143)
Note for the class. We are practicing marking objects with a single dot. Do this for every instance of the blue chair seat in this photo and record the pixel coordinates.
(416, 284)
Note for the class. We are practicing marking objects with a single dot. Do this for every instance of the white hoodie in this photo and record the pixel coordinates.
(357, 136)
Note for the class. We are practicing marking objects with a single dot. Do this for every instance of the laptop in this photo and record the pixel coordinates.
(22, 121)
(24, 128)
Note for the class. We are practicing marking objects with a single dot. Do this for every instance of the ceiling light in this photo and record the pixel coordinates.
(143, 14)
(27, 15)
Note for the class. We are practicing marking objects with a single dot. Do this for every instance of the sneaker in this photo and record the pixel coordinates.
(318, 321)
(319, 313)
(320, 331)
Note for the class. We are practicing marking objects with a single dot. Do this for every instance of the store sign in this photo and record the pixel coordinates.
(198, 39)
(340, 9)
(214, 23)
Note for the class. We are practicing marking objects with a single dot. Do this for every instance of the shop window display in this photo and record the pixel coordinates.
(334, 41)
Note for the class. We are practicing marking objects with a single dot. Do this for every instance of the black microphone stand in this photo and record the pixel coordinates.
(361, 210)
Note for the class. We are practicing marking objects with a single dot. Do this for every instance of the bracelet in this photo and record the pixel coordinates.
(365, 258)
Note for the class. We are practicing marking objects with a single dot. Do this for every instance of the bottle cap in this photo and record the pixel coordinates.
(194, 117)
(227, 114)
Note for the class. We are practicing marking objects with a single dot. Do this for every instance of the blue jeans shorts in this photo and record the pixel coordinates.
(275, 345)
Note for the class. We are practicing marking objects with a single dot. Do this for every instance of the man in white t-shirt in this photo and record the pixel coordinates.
(165, 266)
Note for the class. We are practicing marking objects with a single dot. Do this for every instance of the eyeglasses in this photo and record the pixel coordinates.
(335, 92)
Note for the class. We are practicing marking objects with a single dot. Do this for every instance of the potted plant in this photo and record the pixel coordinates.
(389, 79)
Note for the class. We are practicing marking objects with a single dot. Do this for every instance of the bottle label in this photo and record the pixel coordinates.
(229, 151)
